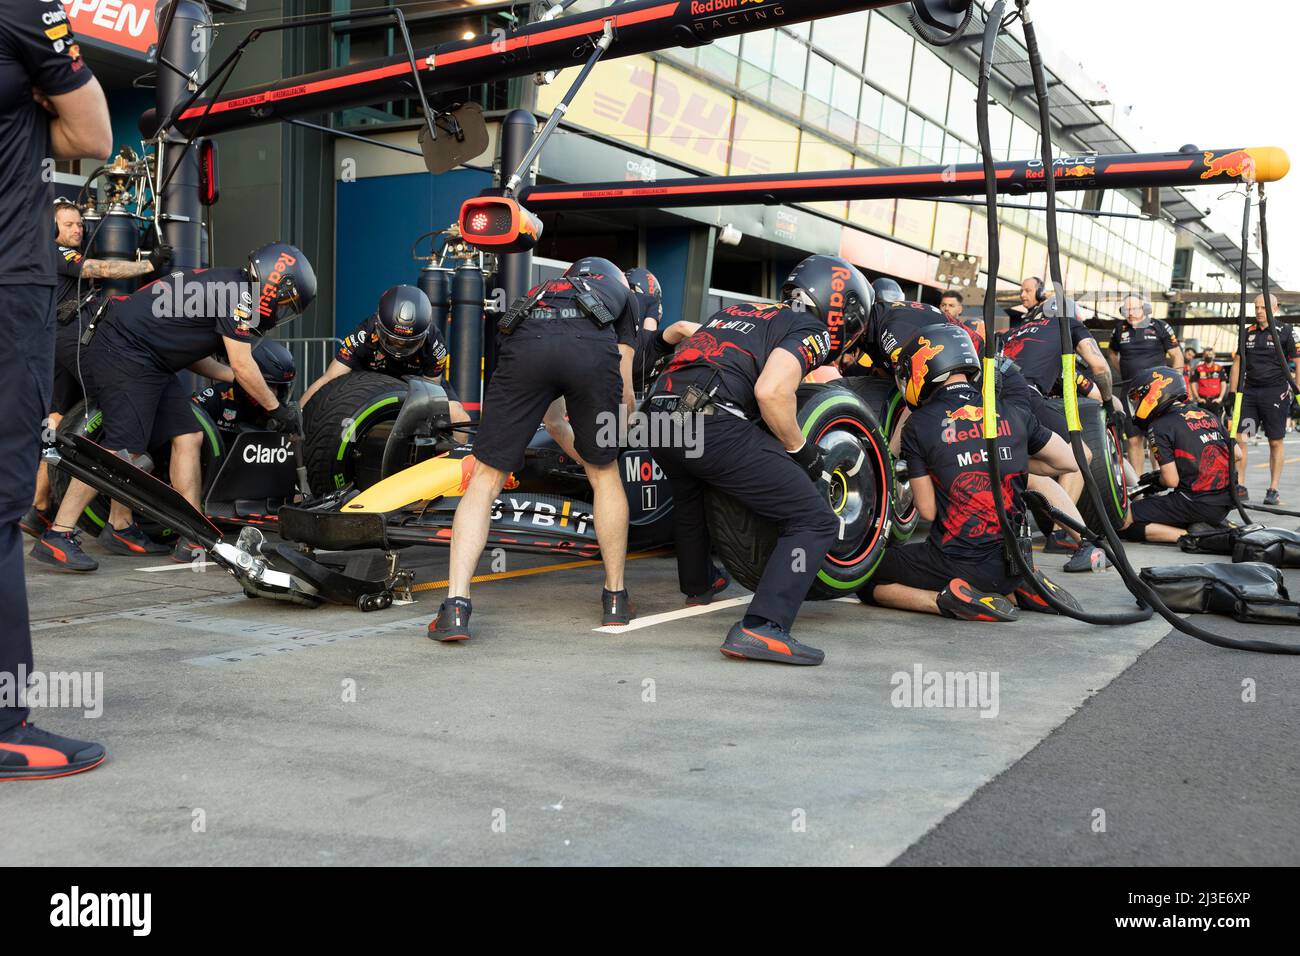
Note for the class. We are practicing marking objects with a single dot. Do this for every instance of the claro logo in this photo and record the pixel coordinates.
(260, 455)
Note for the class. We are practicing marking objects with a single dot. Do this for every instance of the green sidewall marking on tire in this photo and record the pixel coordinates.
(207, 429)
(1110, 472)
(805, 429)
(356, 424)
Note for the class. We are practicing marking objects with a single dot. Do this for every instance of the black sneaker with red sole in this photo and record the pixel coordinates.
(962, 602)
(130, 540)
(721, 581)
(62, 550)
(29, 753)
(768, 642)
(37, 521)
(452, 622)
(615, 608)
(1029, 600)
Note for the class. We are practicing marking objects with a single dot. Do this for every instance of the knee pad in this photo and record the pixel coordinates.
(1137, 531)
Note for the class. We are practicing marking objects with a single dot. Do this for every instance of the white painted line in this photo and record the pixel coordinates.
(653, 619)
(178, 566)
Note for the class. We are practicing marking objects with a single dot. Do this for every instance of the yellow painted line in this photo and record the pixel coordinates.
(1287, 461)
(544, 569)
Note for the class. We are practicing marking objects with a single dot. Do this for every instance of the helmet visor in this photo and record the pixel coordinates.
(400, 347)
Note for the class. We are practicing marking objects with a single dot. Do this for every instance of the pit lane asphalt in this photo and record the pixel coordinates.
(543, 741)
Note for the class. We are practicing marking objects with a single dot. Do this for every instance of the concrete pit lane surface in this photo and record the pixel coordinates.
(246, 732)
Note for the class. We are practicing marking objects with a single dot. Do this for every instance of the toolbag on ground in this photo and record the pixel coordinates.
(1274, 546)
(1252, 593)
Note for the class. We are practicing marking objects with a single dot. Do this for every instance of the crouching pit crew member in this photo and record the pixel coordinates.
(1192, 452)
(962, 570)
(571, 338)
(741, 368)
(398, 339)
(231, 407)
(130, 368)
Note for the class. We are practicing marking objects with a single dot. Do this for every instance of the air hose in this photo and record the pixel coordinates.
(993, 27)
(1144, 594)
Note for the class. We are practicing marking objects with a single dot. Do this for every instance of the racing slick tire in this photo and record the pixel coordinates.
(1104, 441)
(346, 425)
(856, 457)
(883, 398)
(96, 513)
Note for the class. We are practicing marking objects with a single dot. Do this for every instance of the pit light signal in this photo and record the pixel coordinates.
(498, 224)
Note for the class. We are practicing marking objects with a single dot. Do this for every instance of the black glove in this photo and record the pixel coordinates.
(809, 458)
(160, 257)
(285, 418)
(1150, 479)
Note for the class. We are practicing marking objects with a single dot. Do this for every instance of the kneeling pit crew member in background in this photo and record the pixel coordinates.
(75, 300)
(130, 368)
(230, 407)
(1193, 453)
(742, 369)
(1138, 343)
(572, 338)
(962, 570)
(398, 339)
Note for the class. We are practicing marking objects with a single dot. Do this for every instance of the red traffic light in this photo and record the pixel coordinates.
(499, 224)
(209, 190)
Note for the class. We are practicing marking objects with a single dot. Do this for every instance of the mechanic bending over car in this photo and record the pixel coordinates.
(1139, 343)
(742, 368)
(571, 337)
(75, 300)
(231, 407)
(653, 348)
(963, 569)
(130, 368)
(398, 339)
(1192, 452)
(1267, 398)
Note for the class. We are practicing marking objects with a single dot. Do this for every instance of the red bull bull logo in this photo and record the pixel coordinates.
(920, 369)
(1151, 400)
(1237, 163)
(967, 413)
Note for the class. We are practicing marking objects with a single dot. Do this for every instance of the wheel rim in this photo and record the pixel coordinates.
(853, 492)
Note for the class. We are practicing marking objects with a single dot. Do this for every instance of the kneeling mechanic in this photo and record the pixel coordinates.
(962, 570)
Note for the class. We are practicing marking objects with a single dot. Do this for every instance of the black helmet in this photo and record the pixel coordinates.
(836, 292)
(1154, 392)
(649, 293)
(405, 316)
(925, 362)
(887, 290)
(597, 268)
(286, 283)
(276, 364)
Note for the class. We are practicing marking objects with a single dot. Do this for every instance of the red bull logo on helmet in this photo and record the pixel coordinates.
(920, 368)
(268, 299)
(1151, 399)
(835, 305)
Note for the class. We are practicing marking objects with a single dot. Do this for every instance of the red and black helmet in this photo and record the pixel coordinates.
(1154, 392)
(836, 292)
(285, 280)
(930, 357)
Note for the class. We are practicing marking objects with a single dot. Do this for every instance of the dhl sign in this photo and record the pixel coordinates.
(124, 24)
